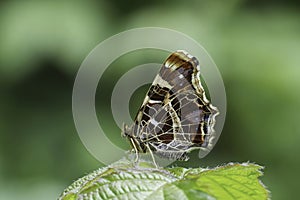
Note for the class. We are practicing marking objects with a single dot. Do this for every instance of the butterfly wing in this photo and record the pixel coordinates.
(176, 116)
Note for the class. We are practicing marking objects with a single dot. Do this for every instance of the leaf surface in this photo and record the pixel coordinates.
(122, 180)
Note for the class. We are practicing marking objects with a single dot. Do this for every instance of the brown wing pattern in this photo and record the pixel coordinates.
(176, 116)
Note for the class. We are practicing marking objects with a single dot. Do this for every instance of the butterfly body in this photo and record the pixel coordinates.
(175, 117)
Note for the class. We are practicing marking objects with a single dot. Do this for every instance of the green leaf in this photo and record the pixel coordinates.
(123, 180)
(233, 181)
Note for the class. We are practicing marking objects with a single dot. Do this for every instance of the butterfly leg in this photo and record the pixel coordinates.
(135, 150)
(152, 155)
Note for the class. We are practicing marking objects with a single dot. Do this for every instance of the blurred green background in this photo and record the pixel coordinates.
(255, 44)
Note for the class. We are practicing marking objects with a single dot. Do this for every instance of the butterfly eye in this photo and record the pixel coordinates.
(125, 130)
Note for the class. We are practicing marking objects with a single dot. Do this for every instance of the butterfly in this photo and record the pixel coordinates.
(175, 117)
